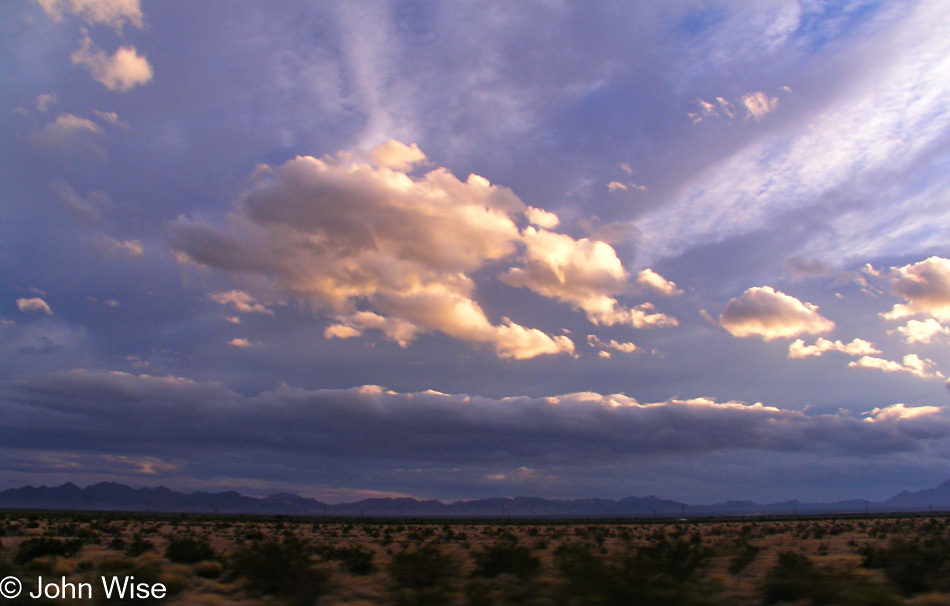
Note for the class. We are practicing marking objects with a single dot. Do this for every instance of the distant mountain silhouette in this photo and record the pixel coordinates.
(110, 496)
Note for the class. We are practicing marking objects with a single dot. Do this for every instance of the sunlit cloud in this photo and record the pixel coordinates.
(334, 233)
(34, 304)
(122, 71)
(912, 364)
(657, 283)
(758, 105)
(241, 301)
(110, 12)
(857, 347)
(925, 286)
(770, 314)
(585, 273)
(922, 331)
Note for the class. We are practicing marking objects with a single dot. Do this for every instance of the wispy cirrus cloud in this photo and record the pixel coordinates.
(883, 126)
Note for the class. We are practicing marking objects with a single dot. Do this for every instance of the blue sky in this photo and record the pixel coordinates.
(454, 250)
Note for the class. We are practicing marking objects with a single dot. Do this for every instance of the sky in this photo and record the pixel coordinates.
(691, 249)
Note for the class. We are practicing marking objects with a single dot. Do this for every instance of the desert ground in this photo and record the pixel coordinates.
(219, 560)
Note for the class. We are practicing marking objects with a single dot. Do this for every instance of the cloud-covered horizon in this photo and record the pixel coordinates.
(163, 419)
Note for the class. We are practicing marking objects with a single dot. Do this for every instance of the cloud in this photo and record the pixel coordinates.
(850, 164)
(34, 304)
(89, 209)
(615, 186)
(111, 118)
(69, 134)
(857, 347)
(111, 12)
(758, 105)
(353, 325)
(241, 301)
(912, 364)
(896, 412)
(396, 155)
(922, 331)
(129, 249)
(658, 283)
(585, 273)
(770, 314)
(347, 238)
(626, 347)
(925, 286)
(240, 342)
(122, 72)
(541, 217)
(44, 101)
(141, 415)
(803, 267)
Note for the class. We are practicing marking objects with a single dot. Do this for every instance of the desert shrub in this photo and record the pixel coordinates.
(208, 569)
(422, 577)
(137, 546)
(283, 569)
(913, 566)
(583, 571)
(189, 550)
(424, 567)
(796, 578)
(506, 557)
(664, 572)
(38, 547)
(356, 559)
(747, 554)
(502, 590)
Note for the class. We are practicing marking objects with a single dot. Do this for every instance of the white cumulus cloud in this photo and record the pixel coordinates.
(925, 286)
(770, 314)
(374, 248)
(912, 364)
(122, 71)
(585, 273)
(857, 347)
(922, 331)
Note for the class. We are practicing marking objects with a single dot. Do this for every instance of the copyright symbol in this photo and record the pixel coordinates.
(10, 587)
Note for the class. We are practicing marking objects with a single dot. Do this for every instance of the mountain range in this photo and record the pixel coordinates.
(110, 496)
